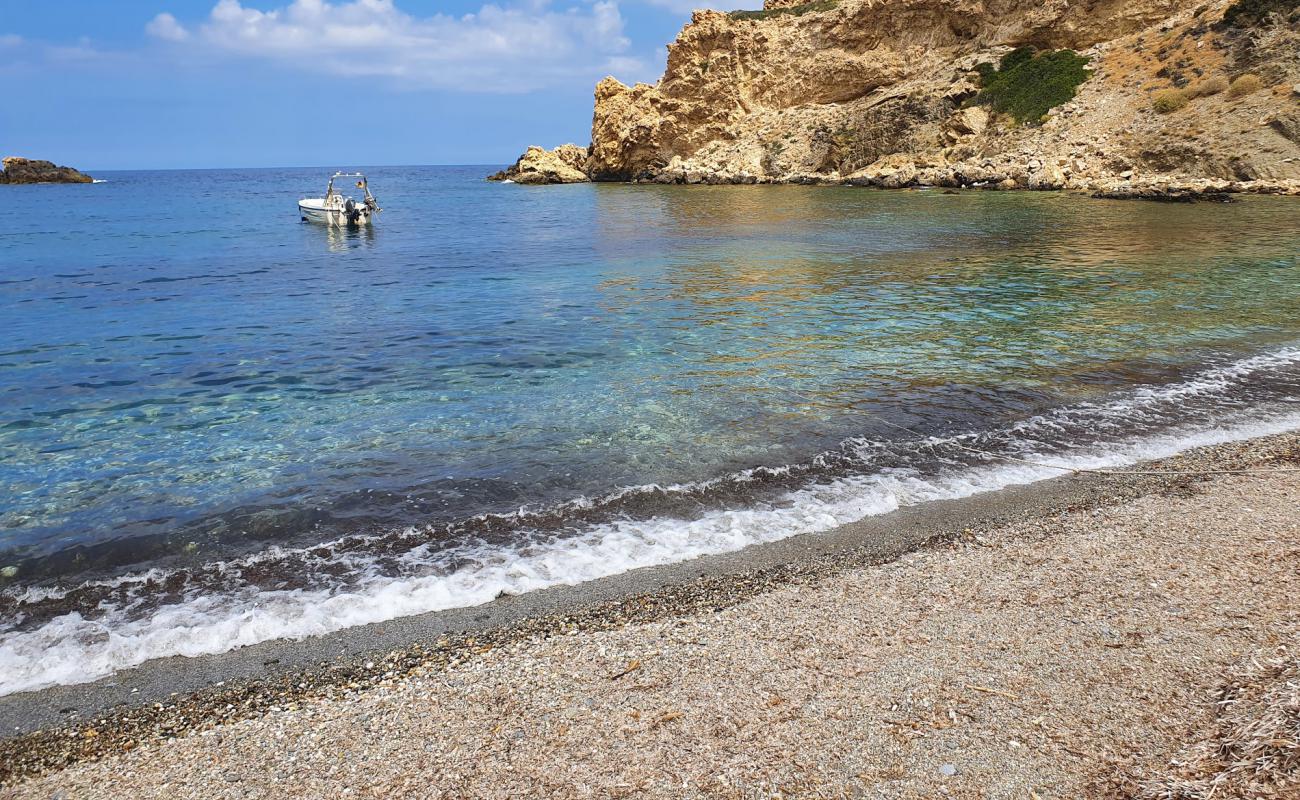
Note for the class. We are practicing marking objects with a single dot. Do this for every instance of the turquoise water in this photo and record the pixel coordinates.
(190, 376)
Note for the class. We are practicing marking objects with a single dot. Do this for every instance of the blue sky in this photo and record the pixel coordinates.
(142, 84)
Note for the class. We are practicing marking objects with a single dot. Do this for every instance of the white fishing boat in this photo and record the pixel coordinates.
(339, 209)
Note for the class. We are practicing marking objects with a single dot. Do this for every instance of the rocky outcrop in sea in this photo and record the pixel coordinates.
(22, 170)
(565, 164)
(1130, 97)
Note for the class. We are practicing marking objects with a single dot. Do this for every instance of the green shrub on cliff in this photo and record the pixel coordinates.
(794, 11)
(1016, 57)
(1245, 13)
(1027, 84)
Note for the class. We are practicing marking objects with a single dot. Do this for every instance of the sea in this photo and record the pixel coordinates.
(221, 425)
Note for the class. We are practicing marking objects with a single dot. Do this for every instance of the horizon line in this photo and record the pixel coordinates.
(283, 166)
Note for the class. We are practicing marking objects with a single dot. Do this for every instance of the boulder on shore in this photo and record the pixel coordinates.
(22, 170)
(565, 164)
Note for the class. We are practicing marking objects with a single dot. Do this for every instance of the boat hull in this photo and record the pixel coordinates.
(317, 211)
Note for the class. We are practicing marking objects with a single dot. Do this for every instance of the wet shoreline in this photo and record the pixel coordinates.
(62, 636)
(169, 697)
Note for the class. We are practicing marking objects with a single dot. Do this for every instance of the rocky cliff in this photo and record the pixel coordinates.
(22, 170)
(1105, 95)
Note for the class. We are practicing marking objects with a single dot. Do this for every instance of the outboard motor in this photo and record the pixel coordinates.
(351, 212)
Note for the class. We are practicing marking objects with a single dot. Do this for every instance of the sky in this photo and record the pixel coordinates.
(151, 84)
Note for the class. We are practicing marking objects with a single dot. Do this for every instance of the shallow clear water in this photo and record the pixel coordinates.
(192, 380)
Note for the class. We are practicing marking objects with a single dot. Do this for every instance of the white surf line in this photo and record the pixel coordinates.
(70, 649)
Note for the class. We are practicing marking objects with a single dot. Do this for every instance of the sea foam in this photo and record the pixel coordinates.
(74, 648)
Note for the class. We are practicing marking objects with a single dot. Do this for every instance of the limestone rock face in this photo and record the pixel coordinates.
(565, 164)
(820, 61)
(967, 122)
(881, 92)
(22, 170)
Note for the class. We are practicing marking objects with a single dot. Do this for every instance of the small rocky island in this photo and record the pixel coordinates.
(23, 170)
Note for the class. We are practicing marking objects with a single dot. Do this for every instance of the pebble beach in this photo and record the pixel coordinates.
(1085, 652)
(885, 400)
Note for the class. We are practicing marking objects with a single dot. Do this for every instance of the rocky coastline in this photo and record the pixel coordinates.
(1139, 99)
(23, 170)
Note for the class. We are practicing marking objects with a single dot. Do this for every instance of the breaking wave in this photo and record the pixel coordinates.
(77, 633)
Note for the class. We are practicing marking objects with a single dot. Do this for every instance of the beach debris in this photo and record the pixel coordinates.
(665, 718)
(948, 770)
(987, 690)
(633, 666)
(1253, 747)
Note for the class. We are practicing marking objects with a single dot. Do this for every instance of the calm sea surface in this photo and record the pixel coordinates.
(219, 424)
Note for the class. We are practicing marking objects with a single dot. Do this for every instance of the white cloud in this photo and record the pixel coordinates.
(513, 47)
(165, 26)
(687, 6)
(10, 40)
(84, 51)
